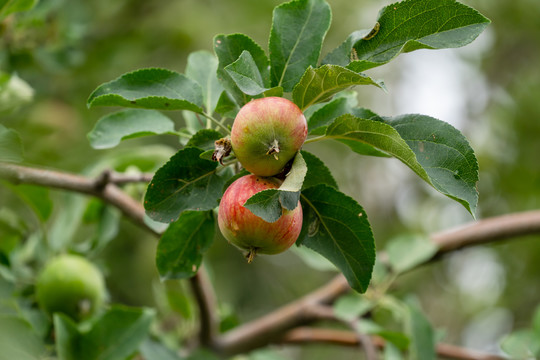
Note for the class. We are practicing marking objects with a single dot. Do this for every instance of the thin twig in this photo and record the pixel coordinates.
(306, 335)
(99, 187)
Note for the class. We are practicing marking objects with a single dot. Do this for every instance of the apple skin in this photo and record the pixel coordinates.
(267, 133)
(249, 232)
(72, 285)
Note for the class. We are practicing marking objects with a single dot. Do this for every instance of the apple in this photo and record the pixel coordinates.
(72, 285)
(267, 133)
(248, 231)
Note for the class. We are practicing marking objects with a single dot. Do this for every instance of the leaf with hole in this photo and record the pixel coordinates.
(418, 24)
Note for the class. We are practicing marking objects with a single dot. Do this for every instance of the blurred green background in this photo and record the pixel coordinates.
(490, 90)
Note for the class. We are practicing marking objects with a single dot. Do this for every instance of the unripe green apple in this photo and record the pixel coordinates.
(267, 133)
(72, 285)
(249, 232)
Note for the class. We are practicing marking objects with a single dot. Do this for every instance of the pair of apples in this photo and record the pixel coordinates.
(266, 134)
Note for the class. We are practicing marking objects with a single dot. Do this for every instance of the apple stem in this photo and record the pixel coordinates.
(251, 254)
(273, 149)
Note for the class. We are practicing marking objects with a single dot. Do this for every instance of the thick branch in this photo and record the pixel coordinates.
(270, 327)
(305, 335)
(204, 295)
(488, 230)
(262, 331)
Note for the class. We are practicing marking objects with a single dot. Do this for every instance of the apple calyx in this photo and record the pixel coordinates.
(273, 149)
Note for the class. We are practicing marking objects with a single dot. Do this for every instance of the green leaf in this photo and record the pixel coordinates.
(295, 177)
(521, 344)
(228, 49)
(246, 75)
(298, 30)
(128, 124)
(445, 155)
(350, 307)
(202, 67)
(422, 336)
(11, 6)
(434, 150)
(179, 299)
(153, 350)
(317, 172)
(151, 88)
(37, 197)
(320, 120)
(181, 248)
(18, 340)
(107, 227)
(407, 251)
(265, 204)
(313, 259)
(115, 335)
(325, 114)
(336, 227)
(275, 91)
(14, 91)
(268, 204)
(185, 182)
(391, 352)
(68, 344)
(399, 339)
(363, 135)
(10, 145)
(536, 321)
(418, 24)
(226, 106)
(204, 139)
(320, 84)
